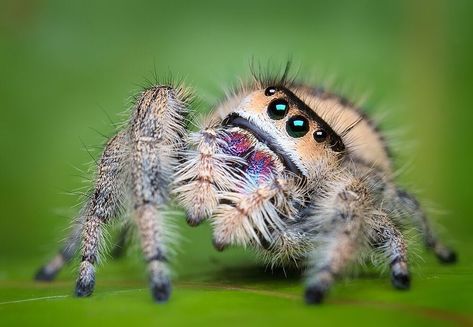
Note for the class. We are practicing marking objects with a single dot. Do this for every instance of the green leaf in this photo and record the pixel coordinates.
(65, 63)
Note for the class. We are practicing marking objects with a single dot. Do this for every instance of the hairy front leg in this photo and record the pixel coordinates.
(104, 204)
(338, 240)
(157, 130)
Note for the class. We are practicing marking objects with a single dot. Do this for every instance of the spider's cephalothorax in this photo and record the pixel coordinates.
(291, 170)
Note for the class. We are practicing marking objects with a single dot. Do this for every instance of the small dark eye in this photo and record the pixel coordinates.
(320, 135)
(297, 126)
(278, 108)
(270, 91)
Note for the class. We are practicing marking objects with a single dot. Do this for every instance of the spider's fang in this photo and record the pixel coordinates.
(236, 120)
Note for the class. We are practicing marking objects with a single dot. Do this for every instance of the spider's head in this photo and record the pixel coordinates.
(292, 131)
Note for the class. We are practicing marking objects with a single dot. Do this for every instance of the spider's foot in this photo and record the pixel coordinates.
(315, 294)
(44, 274)
(194, 220)
(49, 271)
(219, 246)
(86, 281)
(400, 274)
(401, 280)
(445, 255)
(84, 289)
(161, 291)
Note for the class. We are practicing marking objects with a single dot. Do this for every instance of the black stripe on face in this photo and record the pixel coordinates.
(335, 141)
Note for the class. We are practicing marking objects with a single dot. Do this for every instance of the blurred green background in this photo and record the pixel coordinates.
(65, 66)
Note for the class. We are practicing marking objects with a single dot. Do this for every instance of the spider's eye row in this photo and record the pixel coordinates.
(297, 126)
(277, 109)
(270, 91)
(320, 135)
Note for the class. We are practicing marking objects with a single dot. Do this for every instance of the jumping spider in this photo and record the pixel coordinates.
(296, 172)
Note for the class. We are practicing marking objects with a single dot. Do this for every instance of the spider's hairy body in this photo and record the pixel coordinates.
(295, 172)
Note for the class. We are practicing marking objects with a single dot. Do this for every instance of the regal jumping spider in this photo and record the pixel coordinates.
(296, 172)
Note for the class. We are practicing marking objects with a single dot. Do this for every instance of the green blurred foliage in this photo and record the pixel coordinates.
(66, 66)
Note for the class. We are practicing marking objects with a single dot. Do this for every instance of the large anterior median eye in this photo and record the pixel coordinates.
(297, 126)
(278, 108)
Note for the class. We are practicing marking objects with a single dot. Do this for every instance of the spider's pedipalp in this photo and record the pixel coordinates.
(241, 218)
(205, 172)
(252, 213)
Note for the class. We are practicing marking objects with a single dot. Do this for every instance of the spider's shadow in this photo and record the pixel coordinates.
(256, 274)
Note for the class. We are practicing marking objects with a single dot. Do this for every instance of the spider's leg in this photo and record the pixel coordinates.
(108, 191)
(156, 131)
(50, 270)
(339, 238)
(103, 205)
(251, 216)
(410, 207)
(201, 175)
(387, 238)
